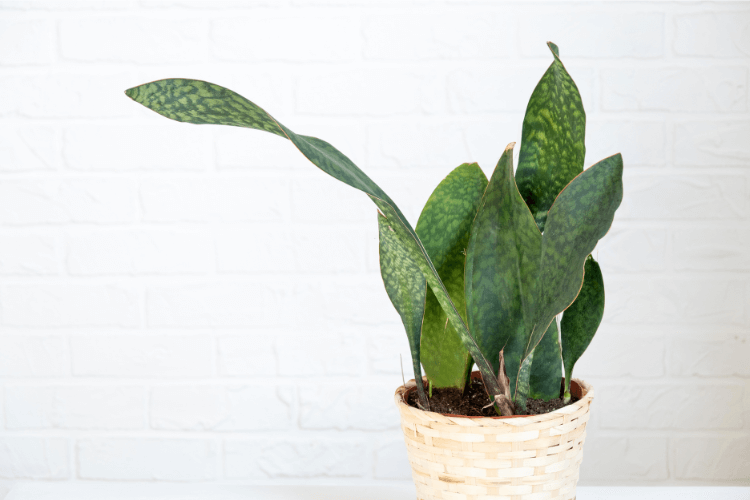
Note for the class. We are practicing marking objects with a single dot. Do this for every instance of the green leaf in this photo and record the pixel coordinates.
(546, 370)
(443, 227)
(406, 288)
(552, 139)
(581, 320)
(524, 377)
(195, 101)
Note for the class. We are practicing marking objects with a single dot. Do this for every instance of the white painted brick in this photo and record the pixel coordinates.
(617, 34)
(74, 407)
(142, 147)
(641, 142)
(133, 39)
(632, 250)
(388, 350)
(406, 146)
(74, 94)
(391, 460)
(330, 250)
(301, 354)
(670, 406)
(369, 92)
(635, 458)
(712, 34)
(365, 407)
(142, 356)
(29, 148)
(259, 249)
(417, 36)
(139, 252)
(620, 352)
(310, 37)
(26, 41)
(712, 357)
(216, 305)
(33, 458)
(222, 408)
(74, 200)
(69, 5)
(711, 248)
(207, 4)
(323, 199)
(717, 89)
(70, 304)
(243, 149)
(175, 200)
(247, 355)
(687, 197)
(675, 301)
(712, 143)
(713, 458)
(30, 255)
(33, 356)
(147, 459)
(295, 458)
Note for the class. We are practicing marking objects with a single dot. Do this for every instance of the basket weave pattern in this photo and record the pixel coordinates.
(496, 458)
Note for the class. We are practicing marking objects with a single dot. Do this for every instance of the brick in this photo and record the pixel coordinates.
(70, 304)
(388, 350)
(214, 305)
(712, 458)
(79, 94)
(142, 356)
(29, 148)
(364, 407)
(320, 198)
(260, 249)
(675, 301)
(221, 408)
(33, 458)
(418, 36)
(712, 34)
(133, 39)
(711, 357)
(632, 250)
(416, 145)
(242, 149)
(139, 252)
(712, 143)
(627, 34)
(299, 355)
(687, 197)
(640, 142)
(327, 38)
(297, 458)
(391, 459)
(74, 407)
(247, 355)
(670, 406)
(330, 250)
(207, 4)
(147, 459)
(641, 458)
(71, 5)
(618, 352)
(711, 249)
(26, 41)
(717, 89)
(159, 147)
(61, 201)
(33, 356)
(29, 255)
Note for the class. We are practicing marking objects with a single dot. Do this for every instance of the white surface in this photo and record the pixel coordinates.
(371, 492)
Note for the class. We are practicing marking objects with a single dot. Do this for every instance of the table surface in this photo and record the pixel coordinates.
(130, 491)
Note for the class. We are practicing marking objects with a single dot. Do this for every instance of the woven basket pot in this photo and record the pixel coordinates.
(531, 457)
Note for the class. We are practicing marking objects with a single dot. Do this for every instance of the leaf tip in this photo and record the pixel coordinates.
(510, 146)
(132, 93)
(555, 50)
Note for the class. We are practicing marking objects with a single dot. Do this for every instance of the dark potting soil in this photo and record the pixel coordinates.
(472, 402)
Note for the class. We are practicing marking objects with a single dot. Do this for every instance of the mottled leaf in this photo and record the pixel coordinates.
(444, 227)
(546, 370)
(581, 320)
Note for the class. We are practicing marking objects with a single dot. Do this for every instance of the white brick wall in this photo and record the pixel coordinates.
(182, 303)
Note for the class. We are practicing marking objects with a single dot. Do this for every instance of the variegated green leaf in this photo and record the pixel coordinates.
(581, 320)
(406, 288)
(546, 369)
(443, 227)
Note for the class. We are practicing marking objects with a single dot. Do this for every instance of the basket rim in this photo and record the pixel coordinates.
(585, 390)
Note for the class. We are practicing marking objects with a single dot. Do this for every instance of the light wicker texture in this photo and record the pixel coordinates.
(488, 458)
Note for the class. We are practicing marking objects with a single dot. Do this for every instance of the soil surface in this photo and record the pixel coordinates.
(475, 398)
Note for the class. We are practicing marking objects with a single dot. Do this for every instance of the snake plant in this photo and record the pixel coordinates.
(491, 262)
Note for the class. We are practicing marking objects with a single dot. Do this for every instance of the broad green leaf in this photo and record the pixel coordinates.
(443, 227)
(546, 370)
(581, 320)
(518, 279)
(406, 288)
(552, 139)
(195, 101)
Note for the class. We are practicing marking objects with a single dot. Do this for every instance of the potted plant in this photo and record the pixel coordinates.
(481, 279)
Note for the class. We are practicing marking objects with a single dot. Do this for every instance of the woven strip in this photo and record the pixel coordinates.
(533, 457)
